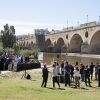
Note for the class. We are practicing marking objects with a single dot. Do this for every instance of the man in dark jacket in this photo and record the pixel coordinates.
(67, 73)
(82, 71)
(44, 75)
(98, 71)
(91, 69)
(87, 75)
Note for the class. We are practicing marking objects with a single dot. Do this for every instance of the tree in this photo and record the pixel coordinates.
(1, 45)
(8, 36)
(15, 47)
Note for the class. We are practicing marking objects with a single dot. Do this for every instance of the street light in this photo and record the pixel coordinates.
(54, 27)
(63, 26)
(67, 25)
(77, 24)
(86, 33)
(87, 18)
(67, 30)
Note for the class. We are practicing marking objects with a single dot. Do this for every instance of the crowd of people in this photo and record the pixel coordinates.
(72, 73)
(7, 57)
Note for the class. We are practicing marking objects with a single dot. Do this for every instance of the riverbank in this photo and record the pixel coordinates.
(83, 55)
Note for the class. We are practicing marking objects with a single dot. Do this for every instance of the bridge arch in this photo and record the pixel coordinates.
(47, 43)
(24, 43)
(27, 43)
(20, 43)
(59, 45)
(95, 43)
(31, 42)
(75, 44)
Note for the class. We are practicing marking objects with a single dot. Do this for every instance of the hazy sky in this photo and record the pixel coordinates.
(27, 15)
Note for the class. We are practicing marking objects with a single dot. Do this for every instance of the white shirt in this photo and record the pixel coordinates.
(54, 72)
(58, 69)
(76, 73)
(17, 59)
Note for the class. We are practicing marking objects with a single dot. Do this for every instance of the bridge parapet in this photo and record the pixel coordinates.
(97, 22)
(67, 29)
(88, 24)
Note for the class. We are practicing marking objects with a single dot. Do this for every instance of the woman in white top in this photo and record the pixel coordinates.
(54, 75)
(58, 69)
(77, 76)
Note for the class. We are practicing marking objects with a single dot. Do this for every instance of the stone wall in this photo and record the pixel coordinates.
(85, 48)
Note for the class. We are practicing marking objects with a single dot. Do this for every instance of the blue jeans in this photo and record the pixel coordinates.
(82, 77)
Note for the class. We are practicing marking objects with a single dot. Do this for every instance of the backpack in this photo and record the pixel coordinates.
(28, 76)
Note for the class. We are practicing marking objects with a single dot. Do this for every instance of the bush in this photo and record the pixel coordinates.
(15, 47)
(32, 52)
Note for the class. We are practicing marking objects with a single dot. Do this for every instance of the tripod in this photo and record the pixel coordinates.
(25, 73)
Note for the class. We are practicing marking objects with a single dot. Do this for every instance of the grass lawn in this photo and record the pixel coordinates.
(12, 87)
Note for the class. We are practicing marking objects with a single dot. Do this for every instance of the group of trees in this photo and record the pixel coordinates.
(8, 37)
(8, 40)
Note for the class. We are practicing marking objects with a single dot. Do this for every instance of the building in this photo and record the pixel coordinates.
(41, 31)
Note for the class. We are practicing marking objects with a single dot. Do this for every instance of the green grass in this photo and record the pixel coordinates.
(12, 87)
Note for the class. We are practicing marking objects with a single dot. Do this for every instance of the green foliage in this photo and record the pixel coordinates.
(1, 45)
(8, 36)
(30, 52)
(15, 47)
(25, 52)
(9, 49)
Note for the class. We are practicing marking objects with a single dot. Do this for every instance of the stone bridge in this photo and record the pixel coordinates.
(25, 42)
(82, 39)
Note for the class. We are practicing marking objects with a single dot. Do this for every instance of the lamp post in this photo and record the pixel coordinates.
(63, 26)
(99, 19)
(86, 33)
(87, 21)
(67, 25)
(67, 30)
(54, 27)
(77, 24)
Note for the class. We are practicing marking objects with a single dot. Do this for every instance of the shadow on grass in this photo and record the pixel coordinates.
(33, 80)
(61, 88)
(96, 87)
(50, 88)
(73, 86)
(55, 88)
(80, 88)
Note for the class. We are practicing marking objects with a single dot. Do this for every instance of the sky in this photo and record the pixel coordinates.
(27, 15)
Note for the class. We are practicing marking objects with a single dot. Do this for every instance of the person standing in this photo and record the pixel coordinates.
(98, 71)
(54, 75)
(58, 69)
(87, 75)
(45, 76)
(96, 68)
(77, 75)
(22, 59)
(62, 67)
(67, 73)
(72, 73)
(91, 69)
(82, 71)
